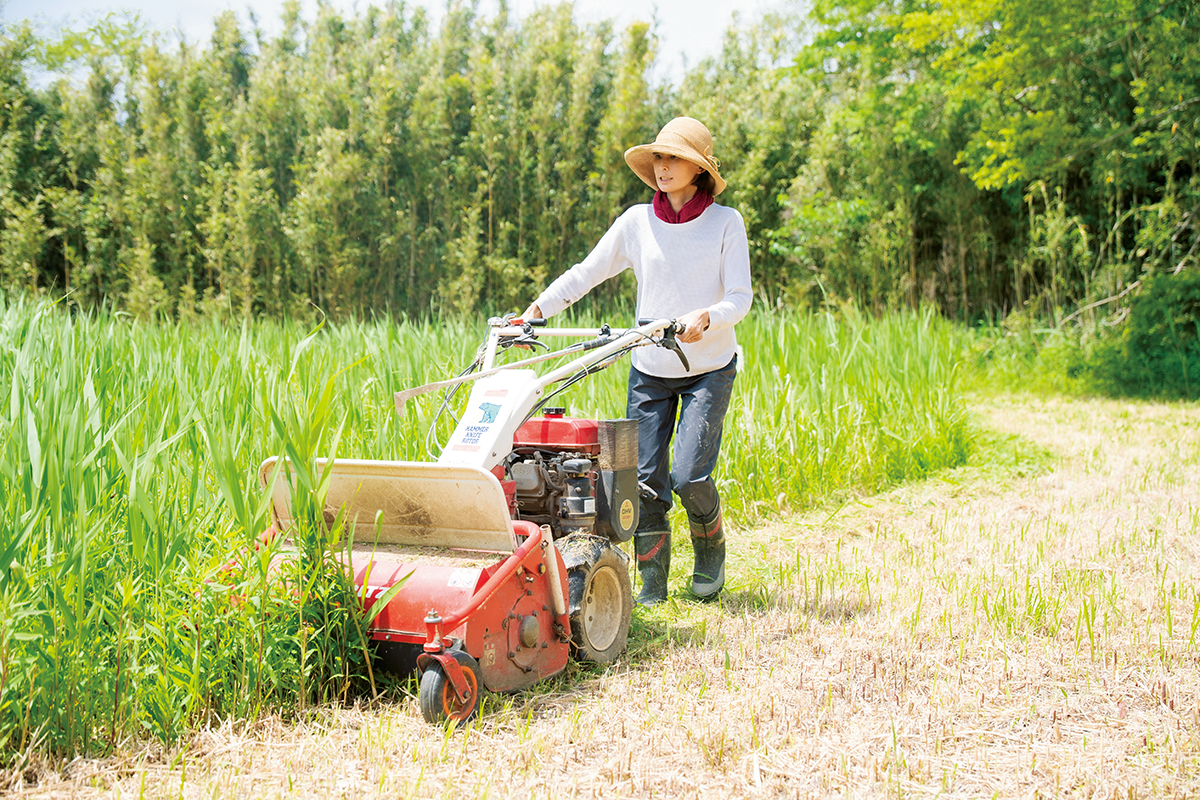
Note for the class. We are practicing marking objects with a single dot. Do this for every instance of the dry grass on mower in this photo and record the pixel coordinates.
(1006, 630)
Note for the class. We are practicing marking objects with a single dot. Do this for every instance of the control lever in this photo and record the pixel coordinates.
(668, 339)
(669, 342)
(511, 318)
(525, 340)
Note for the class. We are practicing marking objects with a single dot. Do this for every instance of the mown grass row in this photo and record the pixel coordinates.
(135, 598)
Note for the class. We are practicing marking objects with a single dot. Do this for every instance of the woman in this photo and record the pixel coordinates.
(692, 264)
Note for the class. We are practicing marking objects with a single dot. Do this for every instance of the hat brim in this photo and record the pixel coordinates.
(640, 159)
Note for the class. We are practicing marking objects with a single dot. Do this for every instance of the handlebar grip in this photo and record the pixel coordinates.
(537, 322)
(676, 325)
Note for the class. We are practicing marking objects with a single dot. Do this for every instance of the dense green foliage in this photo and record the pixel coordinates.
(134, 595)
(1152, 352)
(997, 155)
(978, 155)
(1158, 351)
(364, 162)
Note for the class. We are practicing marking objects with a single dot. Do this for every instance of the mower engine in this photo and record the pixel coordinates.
(579, 476)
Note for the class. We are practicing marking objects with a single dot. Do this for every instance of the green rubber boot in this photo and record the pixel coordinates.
(653, 549)
(708, 543)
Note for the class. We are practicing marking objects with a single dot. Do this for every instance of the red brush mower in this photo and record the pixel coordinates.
(505, 547)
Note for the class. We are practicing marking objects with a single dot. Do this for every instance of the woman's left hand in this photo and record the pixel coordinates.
(696, 323)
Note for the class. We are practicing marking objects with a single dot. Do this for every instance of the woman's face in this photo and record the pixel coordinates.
(674, 174)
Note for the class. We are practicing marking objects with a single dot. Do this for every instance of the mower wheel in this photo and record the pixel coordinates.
(600, 598)
(437, 697)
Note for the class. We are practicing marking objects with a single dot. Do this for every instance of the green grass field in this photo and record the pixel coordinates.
(127, 484)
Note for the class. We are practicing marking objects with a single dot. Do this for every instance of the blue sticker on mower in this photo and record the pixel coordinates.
(489, 413)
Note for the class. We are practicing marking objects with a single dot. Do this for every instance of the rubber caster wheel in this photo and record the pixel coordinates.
(439, 702)
(600, 598)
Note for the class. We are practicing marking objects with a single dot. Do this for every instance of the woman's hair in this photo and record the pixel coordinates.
(706, 183)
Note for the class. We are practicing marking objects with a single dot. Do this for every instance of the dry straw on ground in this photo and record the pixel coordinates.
(1004, 630)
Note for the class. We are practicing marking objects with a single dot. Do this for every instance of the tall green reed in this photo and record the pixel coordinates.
(827, 401)
(127, 468)
(836, 401)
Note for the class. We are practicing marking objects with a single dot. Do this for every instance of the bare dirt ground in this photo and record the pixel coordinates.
(1027, 626)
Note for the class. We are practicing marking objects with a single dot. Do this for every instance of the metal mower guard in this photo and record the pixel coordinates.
(488, 598)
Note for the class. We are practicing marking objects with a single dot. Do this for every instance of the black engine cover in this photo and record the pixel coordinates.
(617, 502)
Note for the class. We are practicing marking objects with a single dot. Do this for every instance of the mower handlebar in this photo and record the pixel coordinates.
(675, 327)
(518, 331)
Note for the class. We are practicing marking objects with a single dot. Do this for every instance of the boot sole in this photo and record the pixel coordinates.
(707, 591)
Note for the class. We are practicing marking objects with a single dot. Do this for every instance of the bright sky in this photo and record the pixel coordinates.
(689, 30)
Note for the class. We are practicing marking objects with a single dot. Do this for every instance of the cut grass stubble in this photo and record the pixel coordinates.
(927, 641)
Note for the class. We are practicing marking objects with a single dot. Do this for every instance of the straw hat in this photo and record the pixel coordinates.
(684, 137)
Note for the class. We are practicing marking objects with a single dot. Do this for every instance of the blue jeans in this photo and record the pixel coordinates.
(700, 402)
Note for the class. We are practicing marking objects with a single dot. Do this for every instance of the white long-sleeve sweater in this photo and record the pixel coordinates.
(703, 263)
